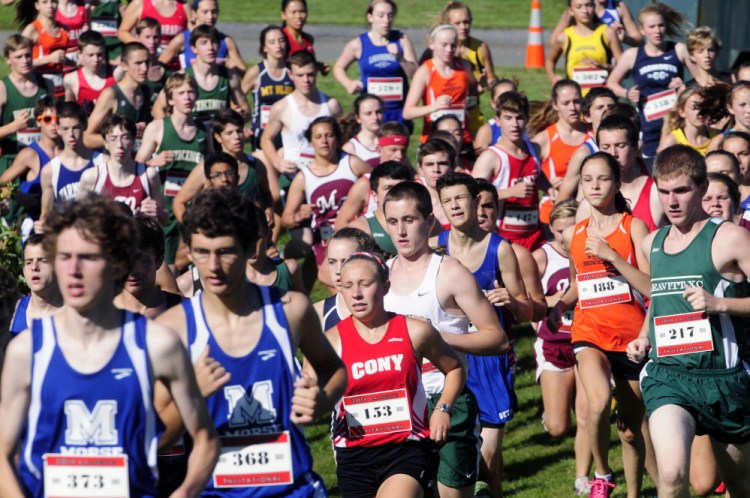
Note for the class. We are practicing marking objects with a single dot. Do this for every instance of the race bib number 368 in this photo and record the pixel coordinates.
(254, 461)
(86, 476)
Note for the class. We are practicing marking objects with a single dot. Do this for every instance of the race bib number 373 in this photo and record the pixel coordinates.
(86, 476)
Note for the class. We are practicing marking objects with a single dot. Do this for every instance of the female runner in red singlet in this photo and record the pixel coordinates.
(380, 425)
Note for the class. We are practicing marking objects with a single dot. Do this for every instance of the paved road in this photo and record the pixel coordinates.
(508, 46)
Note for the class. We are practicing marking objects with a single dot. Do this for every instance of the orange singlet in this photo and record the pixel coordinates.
(609, 314)
(457, 86)
(560, 153)
(46, 44)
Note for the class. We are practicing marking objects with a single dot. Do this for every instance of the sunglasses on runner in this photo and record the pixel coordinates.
(47, 118)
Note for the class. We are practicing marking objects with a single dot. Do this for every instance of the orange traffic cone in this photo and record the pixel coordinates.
(535, 45)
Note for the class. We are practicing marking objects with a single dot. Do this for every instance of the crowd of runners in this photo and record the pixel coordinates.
(177, 207)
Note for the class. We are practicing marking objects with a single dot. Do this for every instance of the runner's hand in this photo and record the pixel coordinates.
(638, 349)
(522, 190)
(554, 318)
(633, 94)
(354, 86)
(440, 426)
(442, 102)
(149, 207)
(305, 400)
(209, 373)
(499, 296)
(286, 167)
(597, 246)
(305, 213)
(162, 159)
(700, 299)
(21, 120)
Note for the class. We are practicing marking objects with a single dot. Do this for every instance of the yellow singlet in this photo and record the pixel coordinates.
(681, 139)
(593, 46)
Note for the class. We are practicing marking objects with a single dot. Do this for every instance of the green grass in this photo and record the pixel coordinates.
(411, 13)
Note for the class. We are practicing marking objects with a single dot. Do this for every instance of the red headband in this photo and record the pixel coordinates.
(393, 140)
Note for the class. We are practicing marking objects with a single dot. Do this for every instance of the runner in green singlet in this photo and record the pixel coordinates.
(696, 381)
(130, 97)
(382, 179)
(180, 144)
(19, 93)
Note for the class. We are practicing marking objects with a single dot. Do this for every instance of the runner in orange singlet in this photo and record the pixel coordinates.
(562, 132)
(441, 83)
(606, 275)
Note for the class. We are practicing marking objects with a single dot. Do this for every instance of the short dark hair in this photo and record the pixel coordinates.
(484, 185)
(35, 239)
(595, 93)
(216, 158)
(453, 178)
(91, 37)
(46, 102)
(615, 122)
(221, 212)
(435, 146)
(130, 48)
(150, 235)
(224, 117)
(72, 110)
(414, 191)
(113, 121)
(390, 169)
(98, 220)
(302, 58)
(204, 31)
(626, 110)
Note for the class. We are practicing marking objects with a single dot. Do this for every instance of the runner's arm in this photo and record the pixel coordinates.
(234, 58)
(155, 188)
(314, 396)
(129, 20)
(490, 338)
(193, 186)
(355, 203)
(520, 304)
(105, 105)
(14, 405)
(171, 365)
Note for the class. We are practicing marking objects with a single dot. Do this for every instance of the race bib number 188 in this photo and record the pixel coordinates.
(602, 288)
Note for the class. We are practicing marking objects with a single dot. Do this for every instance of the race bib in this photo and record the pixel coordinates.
(177, 449)
(520, 219)
(601, 288)
(567, 323)
(105, 26)
(305, 160)
(385, 412)
(265, 112)
(658, 104)
(174, 182)
(72, 55)
(459, 111)
(86, 476)
(56, 79)
(428, 367)
(27, 136)
(685, 333)
(386, 88)
(326, 231)
(250, 461)
(590, 76)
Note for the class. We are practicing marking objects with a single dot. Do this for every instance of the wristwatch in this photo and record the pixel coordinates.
(445, 408)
